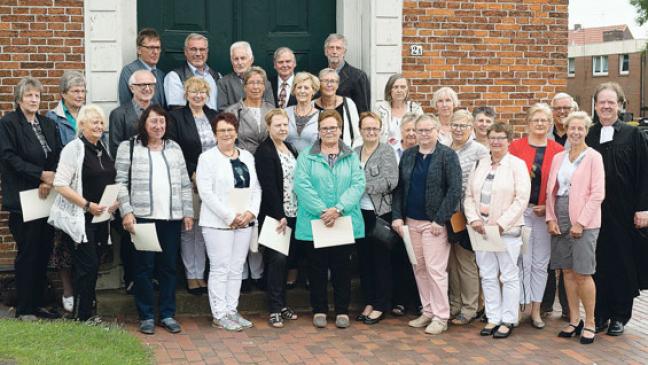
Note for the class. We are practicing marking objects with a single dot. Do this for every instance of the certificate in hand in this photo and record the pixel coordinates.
(145, 237)
(34, 207)
(239, 200)
(108, 198)
(408, 245)
(270, 238)
(340, 234)
(491, 241)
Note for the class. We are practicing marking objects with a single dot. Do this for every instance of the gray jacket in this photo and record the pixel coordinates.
(139, 200)
(251, 132)
(230, 91)
(381, 173)
(122, 126)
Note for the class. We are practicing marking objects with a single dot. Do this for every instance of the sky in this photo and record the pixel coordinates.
(596, 13)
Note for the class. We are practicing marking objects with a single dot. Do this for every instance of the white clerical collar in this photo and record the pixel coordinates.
(607, 134)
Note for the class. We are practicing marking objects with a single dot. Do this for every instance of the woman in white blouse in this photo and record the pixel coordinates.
(394, 107)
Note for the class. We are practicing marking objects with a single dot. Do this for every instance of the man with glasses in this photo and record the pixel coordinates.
(196, 51)
(148, 55)
(354, 83)
(230, 87)
(561, 105)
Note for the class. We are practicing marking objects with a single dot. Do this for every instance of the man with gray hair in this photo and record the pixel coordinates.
(284, 63)
(149, 48)
(230, 86)
(561, 105)
(196, 51)
(354, 83)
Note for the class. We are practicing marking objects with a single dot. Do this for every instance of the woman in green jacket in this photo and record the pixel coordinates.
(329, 184)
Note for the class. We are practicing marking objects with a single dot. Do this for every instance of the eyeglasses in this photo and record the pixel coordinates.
(497, 139)
(462, 127)
(152, 48)
(561, 108)
(145, 85)
(255, 83)
(425, 131)
(226, 131)
(371, 130)
(328, 129)
(330, 81)
(198, 50)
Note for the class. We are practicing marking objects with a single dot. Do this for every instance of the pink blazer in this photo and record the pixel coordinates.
(509, 196)
(586, 192)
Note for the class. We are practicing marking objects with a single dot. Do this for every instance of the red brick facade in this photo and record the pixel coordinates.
(41, 38)
(505, 54)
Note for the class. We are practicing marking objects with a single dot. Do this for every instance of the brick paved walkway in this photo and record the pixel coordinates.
(392, 341)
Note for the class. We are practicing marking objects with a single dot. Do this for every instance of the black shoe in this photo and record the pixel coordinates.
(47, 314)
(246, 286)
(499, 334)
(398, 310)
(195, 291)
(488, 331)
(360, 318)
(147, 326)
(371, 321)
(171, 325)
(615, 329)
(602, 325)
(576, 332)
(290, 286)
(586, 340)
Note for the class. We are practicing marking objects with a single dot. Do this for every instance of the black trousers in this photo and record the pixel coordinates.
(338, 260)
(612, 301)
(374, 261)
(550, 293)
(126, 249)
(34, 243)
(85, 267)
(405, 291)
(276, 271)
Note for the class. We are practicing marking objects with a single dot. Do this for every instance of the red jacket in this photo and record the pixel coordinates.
(521, 148)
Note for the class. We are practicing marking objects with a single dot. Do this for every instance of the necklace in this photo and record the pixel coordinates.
(305, 113)
(228, 155)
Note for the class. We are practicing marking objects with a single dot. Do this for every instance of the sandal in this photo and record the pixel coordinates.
(398, 310)
(275, 320)
(288, 313)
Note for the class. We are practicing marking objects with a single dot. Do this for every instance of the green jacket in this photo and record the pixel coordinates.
(319, 187)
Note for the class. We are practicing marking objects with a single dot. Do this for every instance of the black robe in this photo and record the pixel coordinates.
(622, 250)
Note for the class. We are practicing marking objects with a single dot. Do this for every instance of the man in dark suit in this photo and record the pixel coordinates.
(354, 83)
(284, 63)
(149, 48)
(122, 126)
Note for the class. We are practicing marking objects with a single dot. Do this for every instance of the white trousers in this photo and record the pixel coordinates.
(500, 301)
(227, 250)
(192, 250)
(534, 262)
(255, 264)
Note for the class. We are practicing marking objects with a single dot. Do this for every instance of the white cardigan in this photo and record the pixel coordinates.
(215, 180)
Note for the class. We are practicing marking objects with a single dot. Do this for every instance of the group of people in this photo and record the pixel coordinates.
(566, 199)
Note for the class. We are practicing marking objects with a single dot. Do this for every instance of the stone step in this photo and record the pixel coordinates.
(114, 302)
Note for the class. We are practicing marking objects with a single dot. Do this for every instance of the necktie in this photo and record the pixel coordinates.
(282, 94)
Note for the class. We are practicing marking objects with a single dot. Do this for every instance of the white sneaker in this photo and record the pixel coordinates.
(68, 303)
(227, 324)
(236, 317)
(420, 322)
(436, 327)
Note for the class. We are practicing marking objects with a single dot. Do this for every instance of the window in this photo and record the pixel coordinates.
(624, 64)
(571, 67)
(600, 65)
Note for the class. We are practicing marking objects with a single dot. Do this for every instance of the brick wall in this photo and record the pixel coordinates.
(505, 54)
(41, 38)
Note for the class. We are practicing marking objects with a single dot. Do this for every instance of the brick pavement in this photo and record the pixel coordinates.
(391, 342)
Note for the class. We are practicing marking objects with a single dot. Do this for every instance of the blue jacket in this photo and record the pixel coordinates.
(319, 187)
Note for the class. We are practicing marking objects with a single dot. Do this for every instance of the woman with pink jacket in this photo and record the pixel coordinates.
(575, 191)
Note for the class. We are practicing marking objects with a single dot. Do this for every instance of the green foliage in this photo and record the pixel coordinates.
(642, 10)
(68, 342)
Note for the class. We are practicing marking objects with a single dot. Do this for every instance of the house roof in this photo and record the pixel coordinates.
(585, 36)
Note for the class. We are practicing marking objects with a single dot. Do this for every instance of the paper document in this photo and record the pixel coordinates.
(491, 241)
(239, 200)
(108, 198)
(34, 207)
(340, 234)
(270, 238)
(145, 238)
(408, 245)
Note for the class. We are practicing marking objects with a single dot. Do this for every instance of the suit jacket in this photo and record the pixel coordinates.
(122, 126)
(586, 189)
(230, 91)
(274, 82)
(354, 84)
(270, 174)
(250, 131)
(183, 130)
(125, 94)
(22, 160)
(509, 195)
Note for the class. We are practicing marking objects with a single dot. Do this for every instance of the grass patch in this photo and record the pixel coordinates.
(68, 342)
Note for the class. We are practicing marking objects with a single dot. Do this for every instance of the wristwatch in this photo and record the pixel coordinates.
(86, 207)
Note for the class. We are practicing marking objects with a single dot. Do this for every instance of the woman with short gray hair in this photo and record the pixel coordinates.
(72, 87)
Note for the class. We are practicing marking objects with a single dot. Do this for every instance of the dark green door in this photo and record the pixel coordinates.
(301, 25)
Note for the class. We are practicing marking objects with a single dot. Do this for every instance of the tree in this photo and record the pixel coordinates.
(642, 10)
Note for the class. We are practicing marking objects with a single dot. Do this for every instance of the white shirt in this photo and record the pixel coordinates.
(365, 201)
(161, 187)
(174, 90)
(566, 171)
